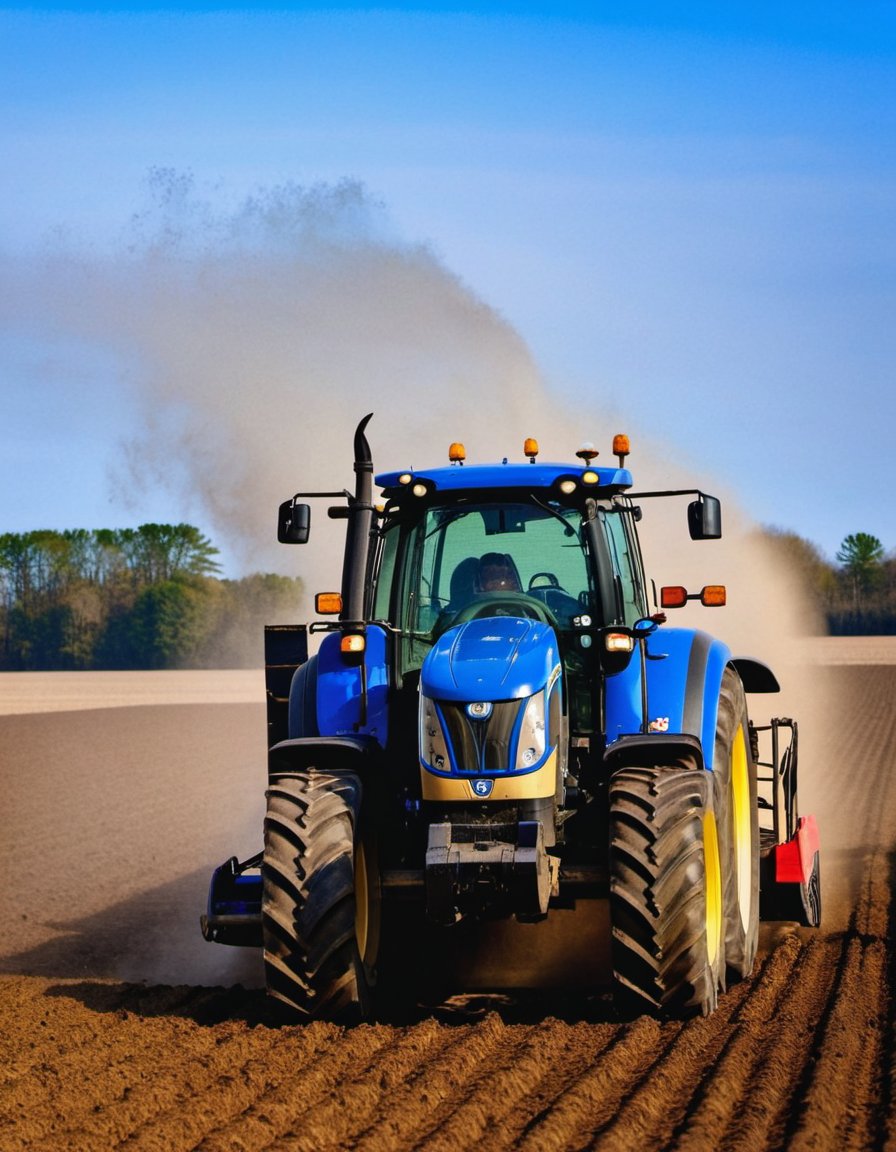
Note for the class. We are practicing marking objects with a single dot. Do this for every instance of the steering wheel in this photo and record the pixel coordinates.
(503, 604)
(549, 591)
(550, 580)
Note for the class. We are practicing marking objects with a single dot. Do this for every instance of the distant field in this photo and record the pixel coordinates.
(848, 649)
(23, 692)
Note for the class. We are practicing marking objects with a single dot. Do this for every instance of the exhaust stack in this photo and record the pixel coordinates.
(357, 537)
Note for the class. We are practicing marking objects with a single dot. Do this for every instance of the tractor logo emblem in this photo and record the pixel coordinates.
(482, 787)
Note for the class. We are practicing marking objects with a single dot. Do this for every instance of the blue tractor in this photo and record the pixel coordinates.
(497, 726)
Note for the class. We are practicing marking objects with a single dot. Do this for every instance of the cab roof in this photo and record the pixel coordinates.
(532, 477)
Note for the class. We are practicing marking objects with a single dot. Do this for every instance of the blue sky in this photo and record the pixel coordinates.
(684, 223)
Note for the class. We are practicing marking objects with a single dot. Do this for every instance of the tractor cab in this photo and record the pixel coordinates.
(521, 550)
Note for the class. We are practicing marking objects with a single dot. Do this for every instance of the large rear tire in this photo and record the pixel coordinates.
(734, 787)
(665, 892)
(320, 898)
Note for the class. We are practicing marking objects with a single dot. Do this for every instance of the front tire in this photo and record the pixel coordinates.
(665, 891)
(734, 785)
(320, 898)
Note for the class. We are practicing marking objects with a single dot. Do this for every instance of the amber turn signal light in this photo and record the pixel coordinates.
(673, 596)
(328, 603)
(676, 596)
(621, 447)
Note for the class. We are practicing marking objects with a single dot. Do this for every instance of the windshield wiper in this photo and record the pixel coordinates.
(570, 531)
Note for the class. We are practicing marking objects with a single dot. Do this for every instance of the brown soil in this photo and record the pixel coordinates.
(121, 1028)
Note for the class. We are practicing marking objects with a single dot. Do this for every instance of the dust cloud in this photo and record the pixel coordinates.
(254, 338)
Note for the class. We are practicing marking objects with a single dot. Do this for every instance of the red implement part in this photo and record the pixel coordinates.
(793, 858)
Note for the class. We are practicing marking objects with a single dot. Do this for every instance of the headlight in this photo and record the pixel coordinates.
(433, 748)
(530, 749)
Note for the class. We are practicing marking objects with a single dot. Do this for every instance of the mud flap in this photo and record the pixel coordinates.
(468, 873)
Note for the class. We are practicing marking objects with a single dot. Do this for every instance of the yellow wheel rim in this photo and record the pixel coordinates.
(741, 821)
(713, 888)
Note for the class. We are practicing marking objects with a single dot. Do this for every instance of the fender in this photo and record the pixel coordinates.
(303, 701)
(328, 753)
(684, 676)
(353, 698)
(755, 676)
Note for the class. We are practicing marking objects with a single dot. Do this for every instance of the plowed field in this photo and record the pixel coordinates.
(121, 1028)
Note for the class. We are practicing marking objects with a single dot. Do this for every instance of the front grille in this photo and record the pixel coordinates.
(482, 745)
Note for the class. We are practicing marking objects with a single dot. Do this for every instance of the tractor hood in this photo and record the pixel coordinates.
(491, 658)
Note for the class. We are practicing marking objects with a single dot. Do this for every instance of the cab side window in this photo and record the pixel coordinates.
(385, 569)
(630, 599)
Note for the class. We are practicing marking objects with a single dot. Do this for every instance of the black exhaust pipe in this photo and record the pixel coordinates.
(357, 537)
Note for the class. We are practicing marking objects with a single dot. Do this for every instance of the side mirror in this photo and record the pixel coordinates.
(705, 518)
(293, 522)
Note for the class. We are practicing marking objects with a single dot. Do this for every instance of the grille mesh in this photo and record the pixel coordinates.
(482, 745)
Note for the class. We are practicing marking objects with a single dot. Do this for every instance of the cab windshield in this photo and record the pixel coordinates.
(523, 559)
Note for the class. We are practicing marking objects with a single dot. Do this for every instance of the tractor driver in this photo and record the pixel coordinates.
(497, 574)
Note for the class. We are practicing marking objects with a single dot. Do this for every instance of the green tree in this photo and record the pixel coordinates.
(164, 628)
(157, 552)
(861, 557)
(75, 599)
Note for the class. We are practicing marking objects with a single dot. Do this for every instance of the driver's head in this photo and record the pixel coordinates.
(497, 574)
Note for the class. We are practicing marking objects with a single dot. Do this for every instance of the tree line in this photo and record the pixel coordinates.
(855, 596)
(146, 597)
(152, 597)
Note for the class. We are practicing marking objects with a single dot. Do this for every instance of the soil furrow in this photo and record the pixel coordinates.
(715, 1109)
(241, 1107)
(401, 1103)
(61, 1023)
(501, 1106)
(460, 1113)
(140, 1097)
(302, 1107)
(844, 1094)
(58, 1096)
(785, 1043)
(655, 1105)
(592, 1099)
